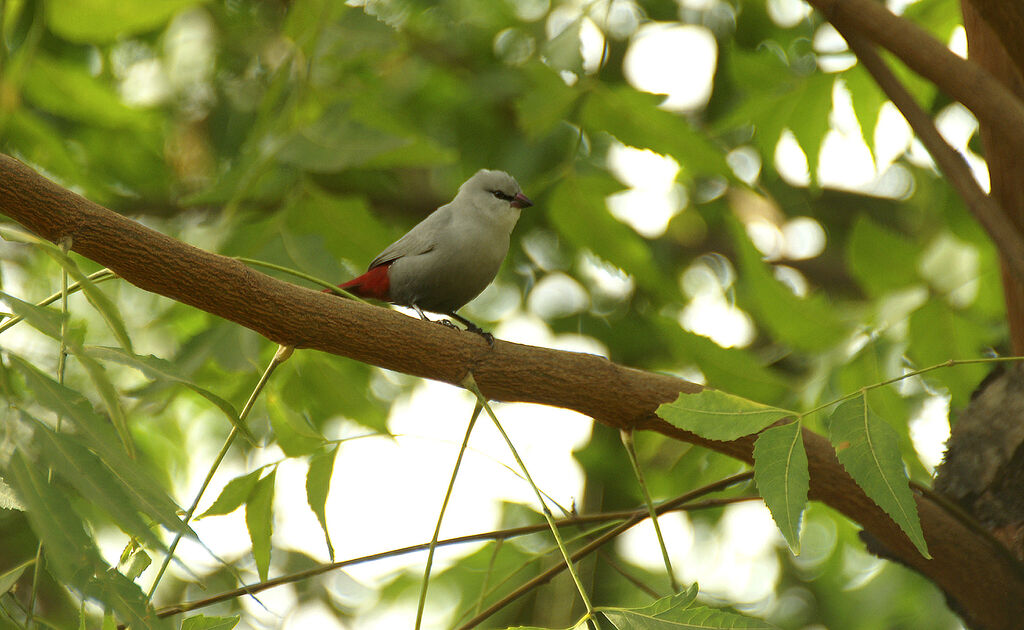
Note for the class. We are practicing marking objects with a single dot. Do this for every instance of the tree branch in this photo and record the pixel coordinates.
(996, 223)
(986, 587)
(962, 80)
(1006, 19)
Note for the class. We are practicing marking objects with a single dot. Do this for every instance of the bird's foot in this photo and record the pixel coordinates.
(447, 323)
(488, 337)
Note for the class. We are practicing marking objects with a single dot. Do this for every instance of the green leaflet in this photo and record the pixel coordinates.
(318, 483)
(259, 519)
(868, 449)
(715, 415)
(780, 472)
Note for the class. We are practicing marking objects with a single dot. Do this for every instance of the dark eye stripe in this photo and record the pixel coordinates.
(502, 196)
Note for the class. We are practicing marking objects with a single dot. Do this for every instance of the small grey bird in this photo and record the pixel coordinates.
(448, 258)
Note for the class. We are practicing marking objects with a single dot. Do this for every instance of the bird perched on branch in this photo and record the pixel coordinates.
(448, 258)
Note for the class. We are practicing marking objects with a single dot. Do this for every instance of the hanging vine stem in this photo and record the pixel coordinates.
(62, 360)
(627, 440)
(470, 383)
(282, 354)
(444, 506)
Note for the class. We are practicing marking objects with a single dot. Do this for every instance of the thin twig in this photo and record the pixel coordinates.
(597, 543)
(280, 357)
(470, 384)
(682, 502)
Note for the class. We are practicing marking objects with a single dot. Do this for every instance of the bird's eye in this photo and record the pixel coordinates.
(502, 196)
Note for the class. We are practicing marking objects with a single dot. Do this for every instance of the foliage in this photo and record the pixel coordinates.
(312, 133)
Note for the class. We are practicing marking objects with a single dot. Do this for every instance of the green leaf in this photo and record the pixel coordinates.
(938, 333)
(881, 260)
(676, 612)
(318, 483)
(70, 404)
(715, 415)
(111, 399)
(8, 500)
(547, 102)
(259, 519)
(867, 448)
(202, 622)
(732, 369)
(335, 142)
(809, 123)
(867, 99)
(780, 472)
(99, 436)
(634, 119)
(103, 305)
(95, 482)
(805, 323)
(578, 211)
(45, 320)
(67, 90)
(125, 598)
(563, 52)
(104, 21)
(72, 552)
(136, 563)
(10, 577)
(235, 493)
(293, 433)
(161, 370)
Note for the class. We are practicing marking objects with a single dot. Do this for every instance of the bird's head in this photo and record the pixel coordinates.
(494, 192)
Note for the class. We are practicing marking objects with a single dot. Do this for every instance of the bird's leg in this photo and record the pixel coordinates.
(473, 328)
(443, 322)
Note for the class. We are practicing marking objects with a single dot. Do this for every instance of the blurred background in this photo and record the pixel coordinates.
(721, 193)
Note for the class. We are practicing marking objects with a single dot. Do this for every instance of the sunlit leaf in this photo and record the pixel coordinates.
(563, 52)
(259, 519)
(103, 304)
(67, 89)
(10, 577)
(54, 521)
(881, 260)
(547, 102)
(101, 21)
(202, 622)
(292, 432)
(318, 483)
(162, 370)
(578, 211)
(95, 482)
(715, 415)
(938, 333)
(677, 612)
(635, 120)
(868, 450)
(808, 323)
(780, 472)
(235, 493)
(45, 320)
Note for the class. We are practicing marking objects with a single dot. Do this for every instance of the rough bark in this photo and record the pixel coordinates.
(986, 586)
(1005, 159)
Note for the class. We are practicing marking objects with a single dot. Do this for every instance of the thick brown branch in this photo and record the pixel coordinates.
(1006, 19)
(985, 586)
(962, 80)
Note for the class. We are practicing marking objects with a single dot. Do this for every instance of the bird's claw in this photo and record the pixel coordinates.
(447, 323)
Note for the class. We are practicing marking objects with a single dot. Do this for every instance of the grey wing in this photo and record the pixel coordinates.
(419, 240)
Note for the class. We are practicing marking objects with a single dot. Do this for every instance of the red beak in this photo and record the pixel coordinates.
(521, 201)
